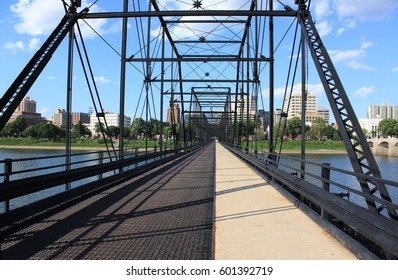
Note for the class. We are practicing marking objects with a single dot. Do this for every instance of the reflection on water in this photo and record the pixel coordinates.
(51, 163)
(388, 167)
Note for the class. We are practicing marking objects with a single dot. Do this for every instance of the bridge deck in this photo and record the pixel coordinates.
(166, 213)
(254, 221)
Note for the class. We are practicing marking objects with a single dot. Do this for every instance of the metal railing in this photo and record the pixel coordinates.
(27, 180)
(334, 196)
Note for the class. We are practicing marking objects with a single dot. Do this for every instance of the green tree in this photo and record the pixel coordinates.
(387, 127)
(137, 128)
(30, 132)
(80, 130)
(293, 127)
(318, 128)
(113, 131)
(99, 127)
(331, 133)
(8, 130)
(19, 125)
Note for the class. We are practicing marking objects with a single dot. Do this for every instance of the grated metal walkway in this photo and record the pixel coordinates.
(166, 213)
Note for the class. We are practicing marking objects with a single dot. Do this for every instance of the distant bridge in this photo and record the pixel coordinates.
(388, 147)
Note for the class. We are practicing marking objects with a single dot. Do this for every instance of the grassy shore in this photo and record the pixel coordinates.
(291, 146)
(82, 144)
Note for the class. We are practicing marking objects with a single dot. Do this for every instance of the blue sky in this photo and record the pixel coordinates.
(360, 36)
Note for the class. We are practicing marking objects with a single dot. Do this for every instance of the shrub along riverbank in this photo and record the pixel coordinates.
(291, 145)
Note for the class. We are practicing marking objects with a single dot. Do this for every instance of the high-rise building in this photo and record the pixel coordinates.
(382, 111)
(264, 119)
(27, 105)
(324, 113)
(242, 107)
(112, 119)
(293, 108)
(60, 118)
(176, 113)
(27, 109)
(78, 116)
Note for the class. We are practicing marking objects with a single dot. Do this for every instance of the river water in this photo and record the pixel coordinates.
(387, 165)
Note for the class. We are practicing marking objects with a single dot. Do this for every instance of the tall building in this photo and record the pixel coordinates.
(112, 119)
(293, 108)
(60, 118)
(382, 111)
(264, 118)
(242, 107)
(176, 113)
(324, 113)
(27, 105)
(27, 109)
(78, 116)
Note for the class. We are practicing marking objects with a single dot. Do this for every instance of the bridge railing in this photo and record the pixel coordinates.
(334, 197)
(27, 180)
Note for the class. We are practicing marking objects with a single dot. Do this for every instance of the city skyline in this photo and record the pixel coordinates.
(357, 35)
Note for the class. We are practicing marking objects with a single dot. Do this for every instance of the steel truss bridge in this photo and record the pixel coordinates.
(207, 66)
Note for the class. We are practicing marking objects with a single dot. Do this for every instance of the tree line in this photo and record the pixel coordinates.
(139, 129)
(319, 130)
(387, 128)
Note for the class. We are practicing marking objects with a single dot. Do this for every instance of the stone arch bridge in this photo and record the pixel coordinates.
(384, 146)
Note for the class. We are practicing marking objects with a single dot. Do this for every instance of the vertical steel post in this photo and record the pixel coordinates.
(68, 141)
(303, 105)
(248, 107)
(100, 161)
(123, 81)
(7, 171)
(148, 76)
(325, 174)
(271, 80)
(162, 92)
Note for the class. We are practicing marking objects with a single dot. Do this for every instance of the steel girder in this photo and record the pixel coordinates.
(359, 152)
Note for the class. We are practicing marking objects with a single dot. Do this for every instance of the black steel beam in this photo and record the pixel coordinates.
(198, 59)
(205, 21)
(182, 13)
(208, 42)
(202, 81)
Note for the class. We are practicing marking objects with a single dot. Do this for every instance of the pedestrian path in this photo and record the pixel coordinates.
(254, 221)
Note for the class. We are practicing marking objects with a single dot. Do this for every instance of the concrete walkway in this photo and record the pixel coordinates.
(254, 221)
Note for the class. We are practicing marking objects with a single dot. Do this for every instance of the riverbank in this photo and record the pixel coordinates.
(33, 147)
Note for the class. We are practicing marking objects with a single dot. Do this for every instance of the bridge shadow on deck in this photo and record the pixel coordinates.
(166, 213)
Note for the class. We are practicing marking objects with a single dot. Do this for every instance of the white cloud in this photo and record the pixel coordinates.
(20, 46)
(395, 69)
(338, 56)
(324, 28)
(40, 17)
(102, 80)
(365, 9)
(322, 9)
(51, 77)
(360, 66)
(340, 31)
(347, 23)
(37, 17)
(14, 47)
(45, 112)
(367, 44)
(364, 92)
(34, 44)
